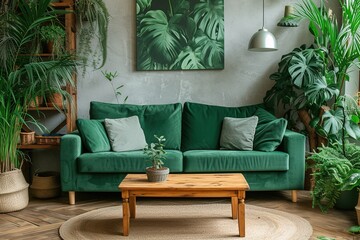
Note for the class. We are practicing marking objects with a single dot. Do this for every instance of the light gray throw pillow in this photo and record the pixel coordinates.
(238, 133)
(125, 134)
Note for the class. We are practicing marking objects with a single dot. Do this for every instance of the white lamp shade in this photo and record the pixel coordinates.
(263, 41)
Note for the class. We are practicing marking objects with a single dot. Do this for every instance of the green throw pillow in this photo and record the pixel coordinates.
(268, 136)
(238, 133)
(125, 134)
(93, 135)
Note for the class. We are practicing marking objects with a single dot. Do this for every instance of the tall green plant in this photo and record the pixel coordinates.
(22, 78)
(310, 80)
(181, 34)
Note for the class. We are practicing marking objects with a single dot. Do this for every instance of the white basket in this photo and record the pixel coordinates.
(14, 194)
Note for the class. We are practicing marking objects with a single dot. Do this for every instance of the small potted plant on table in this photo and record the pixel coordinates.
(156, 153)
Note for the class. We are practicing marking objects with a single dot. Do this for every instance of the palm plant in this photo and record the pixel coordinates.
(186, 34)
(22, 76)
(310, 80)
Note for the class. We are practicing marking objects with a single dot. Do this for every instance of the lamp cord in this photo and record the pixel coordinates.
(263, 14)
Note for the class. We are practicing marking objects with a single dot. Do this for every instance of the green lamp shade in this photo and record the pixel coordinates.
(263, 41)
(288, 20)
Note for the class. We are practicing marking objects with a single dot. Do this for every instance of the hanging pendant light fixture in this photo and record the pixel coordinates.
(263, 40)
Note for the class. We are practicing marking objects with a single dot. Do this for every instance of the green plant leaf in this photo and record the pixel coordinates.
(333, 121)
(189, 59)
(142, 5)
(212, 51)
(162, 37)
(209, 16)
(353, 181)
(305, 67)
(319, 92)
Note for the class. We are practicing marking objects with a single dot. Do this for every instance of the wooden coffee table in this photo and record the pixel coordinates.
(185, 185)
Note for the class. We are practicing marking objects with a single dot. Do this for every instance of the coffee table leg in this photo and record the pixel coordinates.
(132, 206)
(126, 213)
(234, 207)
(241, 214)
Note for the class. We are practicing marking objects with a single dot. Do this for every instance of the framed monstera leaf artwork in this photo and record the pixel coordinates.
(180, 34)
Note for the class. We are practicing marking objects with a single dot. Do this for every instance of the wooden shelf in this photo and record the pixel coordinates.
(38, 55)
(38, 146)
(62, 4)
(45, 109)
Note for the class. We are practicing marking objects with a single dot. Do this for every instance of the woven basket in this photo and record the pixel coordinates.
(14, 193)
(27, 138)
(45, 185)
(157, 175)
(51, 140)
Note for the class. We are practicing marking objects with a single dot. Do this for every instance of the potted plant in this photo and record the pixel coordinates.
(54, 37)
(93, 18)
(310, 80)
(156, 154)
(335, 172)
(22, 78)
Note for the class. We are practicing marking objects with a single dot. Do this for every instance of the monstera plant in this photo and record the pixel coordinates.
(310, 80)
(180, 34)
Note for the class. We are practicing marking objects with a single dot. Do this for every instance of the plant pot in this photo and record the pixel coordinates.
(157, 175)
(37, 102)
(347, 200)
(27, 138)
(14, 194)
(357, 209)
(45, 185)
(55, 100)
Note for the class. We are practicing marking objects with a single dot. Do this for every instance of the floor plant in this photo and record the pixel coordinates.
(23, 75)
(310, 84)
(311, 79)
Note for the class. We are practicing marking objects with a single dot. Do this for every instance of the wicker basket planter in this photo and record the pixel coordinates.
(27, 138)
(157, 175)
(50, 140)
(14, 193)
(45, 185)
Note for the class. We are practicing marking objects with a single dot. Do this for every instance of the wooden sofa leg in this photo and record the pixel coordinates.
(72, 197)
(294, 196)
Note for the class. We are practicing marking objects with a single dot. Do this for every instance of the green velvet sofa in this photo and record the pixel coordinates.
(192, 131)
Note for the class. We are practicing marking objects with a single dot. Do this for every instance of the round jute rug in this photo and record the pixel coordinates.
(198, 221)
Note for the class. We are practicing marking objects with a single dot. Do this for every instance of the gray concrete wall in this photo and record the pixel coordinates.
(243, 81)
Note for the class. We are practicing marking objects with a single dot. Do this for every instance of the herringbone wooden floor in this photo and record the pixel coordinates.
(42, 218)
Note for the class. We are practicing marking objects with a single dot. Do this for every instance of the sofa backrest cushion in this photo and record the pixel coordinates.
(162, 120)
(202, 124)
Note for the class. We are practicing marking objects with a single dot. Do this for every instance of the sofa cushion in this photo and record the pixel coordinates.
(162, 120)
(238, 133)
(234, 161)
(125, 134)
(268, 136)
(93, 135)
(125, 162)
(201, 126)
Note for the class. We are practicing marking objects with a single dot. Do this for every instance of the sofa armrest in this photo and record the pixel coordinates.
(294, 144)
(70, 149)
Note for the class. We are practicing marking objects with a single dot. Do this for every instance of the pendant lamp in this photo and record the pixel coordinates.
(263, 40)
